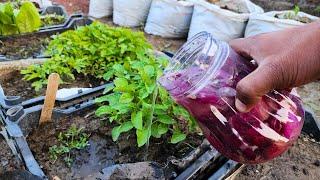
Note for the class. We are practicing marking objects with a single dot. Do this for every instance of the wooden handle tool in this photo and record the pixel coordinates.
(52, 88)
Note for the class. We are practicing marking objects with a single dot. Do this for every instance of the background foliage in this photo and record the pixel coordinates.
(15, 18)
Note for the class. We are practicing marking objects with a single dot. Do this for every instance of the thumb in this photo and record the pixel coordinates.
(258, 83)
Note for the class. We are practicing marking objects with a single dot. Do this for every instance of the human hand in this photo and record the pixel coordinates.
(286, 59)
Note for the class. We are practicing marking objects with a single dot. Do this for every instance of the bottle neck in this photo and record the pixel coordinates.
(216, 52)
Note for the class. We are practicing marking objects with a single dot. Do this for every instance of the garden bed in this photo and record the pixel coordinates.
(23, 47)
(33, 45)
(102, 151)
(301, 161)
(13, 85)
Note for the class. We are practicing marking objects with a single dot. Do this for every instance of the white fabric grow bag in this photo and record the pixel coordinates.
(130, 13)
(223, 24)
(267, 22)
(169, 18)
(100, 8)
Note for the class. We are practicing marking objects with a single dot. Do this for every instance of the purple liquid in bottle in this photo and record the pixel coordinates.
(203, 77)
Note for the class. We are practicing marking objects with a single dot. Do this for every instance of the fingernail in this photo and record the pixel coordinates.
(240, 106)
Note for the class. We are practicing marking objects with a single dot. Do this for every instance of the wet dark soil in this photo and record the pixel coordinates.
(8, 162)
(301, 161)
(23, 47)
(102, 151)
(14, 85)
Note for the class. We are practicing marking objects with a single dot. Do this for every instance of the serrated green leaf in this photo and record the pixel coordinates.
(177, 137)
(122, 108)
(126, 98)
(149, 70)
(154, 131)
(143, 136)
(108, 88)
(165, 119)
(125, 127)
(162, 129)
(136, 119)
(158, 129)
(111, 98)
(115, 133)
(121, 84)
(150, 87)
(143, 93)
(108, 75)
(103, 110)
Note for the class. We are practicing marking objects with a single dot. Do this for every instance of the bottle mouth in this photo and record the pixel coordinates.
(202, 52)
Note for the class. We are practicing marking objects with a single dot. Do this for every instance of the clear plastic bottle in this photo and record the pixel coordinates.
(202, 77)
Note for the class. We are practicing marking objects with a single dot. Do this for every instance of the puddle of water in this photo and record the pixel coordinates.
(97, 156)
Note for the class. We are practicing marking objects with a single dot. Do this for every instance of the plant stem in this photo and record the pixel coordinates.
(149, 122)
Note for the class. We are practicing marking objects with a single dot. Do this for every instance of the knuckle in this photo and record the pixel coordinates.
(245, 92)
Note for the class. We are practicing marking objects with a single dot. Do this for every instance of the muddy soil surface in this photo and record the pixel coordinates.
(301, 161)
(14, 85)
(310, 95)
(102, 151)
(23, 47)
(8, 162)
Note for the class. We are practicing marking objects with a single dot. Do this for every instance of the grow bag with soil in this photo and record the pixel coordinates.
(223, 20)
(160, 21)
(275, 21)
(131, 13)
(100, 8)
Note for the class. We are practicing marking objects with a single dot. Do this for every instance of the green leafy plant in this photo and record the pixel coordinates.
(296, 10)
(317, 9)
(135, 101)
(52, 19)
(294, 15)
(90, 50)
(73, 139)
(138, 103)
(18, 18)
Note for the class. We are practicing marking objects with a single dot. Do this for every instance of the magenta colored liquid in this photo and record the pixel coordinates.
(258, 136)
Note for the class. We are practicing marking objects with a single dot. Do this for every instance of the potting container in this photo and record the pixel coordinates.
(131, 13)
(226, 21)
(268, 22)
(203, 76)
(100, 8)
(161, 23)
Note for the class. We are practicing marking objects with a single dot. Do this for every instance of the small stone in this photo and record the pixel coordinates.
(305, 172)
(4, 162)
(317, 163)
(295, 168)
(313, 140)
(305, 139)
